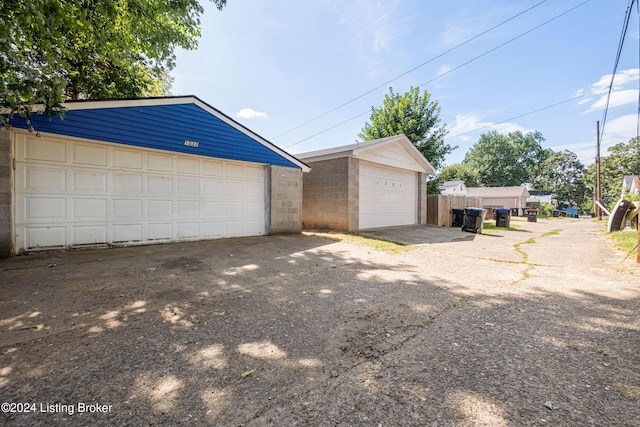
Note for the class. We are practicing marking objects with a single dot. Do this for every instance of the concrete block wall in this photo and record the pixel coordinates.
(326, 194)
(6, 184)
(285, 201)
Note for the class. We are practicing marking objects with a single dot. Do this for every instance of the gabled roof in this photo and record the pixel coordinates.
(493, 192)
(362, 147)
(182, 124)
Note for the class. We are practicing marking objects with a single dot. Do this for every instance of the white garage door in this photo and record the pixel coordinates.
(388, 196)
(72, 193)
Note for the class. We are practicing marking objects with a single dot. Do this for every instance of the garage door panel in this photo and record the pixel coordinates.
(127, 208)
(159, 162)
(40, 179)
(89, 182)
(253, 210)
(89, 234)
(160, 185)
(45, 150)
(212, 209)
(161, 231)
(187, 166)
(123, 233)
(212, 229)
(254, 173)
(233, 171)
(159, 208)
(91, 155)
(45, 237)
(89, 208)
(127, 183)
(234, 229)
(188, 208)
(210, 168)
(188, 187)
(82, 193)
(188, 230)
(254, 190)
(212, 188)
(44, 208)
(127, 159)
(233, 209)
(233, 189)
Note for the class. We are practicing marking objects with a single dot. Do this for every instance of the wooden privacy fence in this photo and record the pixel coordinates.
(439, 207)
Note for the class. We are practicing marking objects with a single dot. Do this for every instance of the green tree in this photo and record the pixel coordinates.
(506, 160)
(564, 174)
(56, 50)
(623, 159)
(413, 115)
(458, 172)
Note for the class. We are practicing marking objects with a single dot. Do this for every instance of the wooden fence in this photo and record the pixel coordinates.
(439, 207)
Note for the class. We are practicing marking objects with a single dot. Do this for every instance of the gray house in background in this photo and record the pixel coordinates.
(370, 184)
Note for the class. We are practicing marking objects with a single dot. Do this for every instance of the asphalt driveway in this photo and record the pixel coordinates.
(534, 326)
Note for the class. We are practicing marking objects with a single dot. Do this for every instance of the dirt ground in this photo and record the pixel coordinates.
(534, 326)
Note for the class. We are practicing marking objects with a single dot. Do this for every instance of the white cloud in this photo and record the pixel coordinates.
(622, 92)
(250, 113)
(623, 97)
(469, 126)
(622, 78)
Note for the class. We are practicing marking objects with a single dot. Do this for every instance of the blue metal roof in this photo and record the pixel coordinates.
(164, 126)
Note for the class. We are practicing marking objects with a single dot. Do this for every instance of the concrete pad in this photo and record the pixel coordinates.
(418, 234)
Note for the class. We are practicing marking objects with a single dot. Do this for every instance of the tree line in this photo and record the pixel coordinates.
(499, 160)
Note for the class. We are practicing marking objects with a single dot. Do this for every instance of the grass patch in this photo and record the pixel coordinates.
(626, 241)
(489, 227)
(363, 240)
(519, 218)
(551, 233)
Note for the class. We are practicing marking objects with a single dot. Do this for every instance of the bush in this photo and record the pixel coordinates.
(545, 210)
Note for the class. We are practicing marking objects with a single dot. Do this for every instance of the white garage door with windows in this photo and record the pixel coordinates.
(71, 193)
(388, 196)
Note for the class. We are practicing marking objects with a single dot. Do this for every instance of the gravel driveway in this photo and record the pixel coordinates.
(535, 326)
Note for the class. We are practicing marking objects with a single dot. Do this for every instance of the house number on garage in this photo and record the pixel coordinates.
(191, 143)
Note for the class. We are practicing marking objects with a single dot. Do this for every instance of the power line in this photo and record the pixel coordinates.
(526, 114)
(505, 43)
(440, 75)
(344, 104)
(623, 34)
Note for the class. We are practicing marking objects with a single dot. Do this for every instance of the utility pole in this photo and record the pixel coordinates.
(598, 190)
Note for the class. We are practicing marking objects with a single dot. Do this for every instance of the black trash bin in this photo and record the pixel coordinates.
(532, 215)
(503, 217)
(474, 220)
(457, 217)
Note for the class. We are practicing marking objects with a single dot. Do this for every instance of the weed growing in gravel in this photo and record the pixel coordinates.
(551, 233)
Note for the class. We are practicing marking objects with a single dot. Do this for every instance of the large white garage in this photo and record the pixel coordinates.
(372, 184)
(76, 191)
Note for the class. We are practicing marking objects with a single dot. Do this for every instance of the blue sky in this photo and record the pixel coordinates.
(275, 65)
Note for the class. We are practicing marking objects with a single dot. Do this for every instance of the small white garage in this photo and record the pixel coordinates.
(147, 171)
(371, 184)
